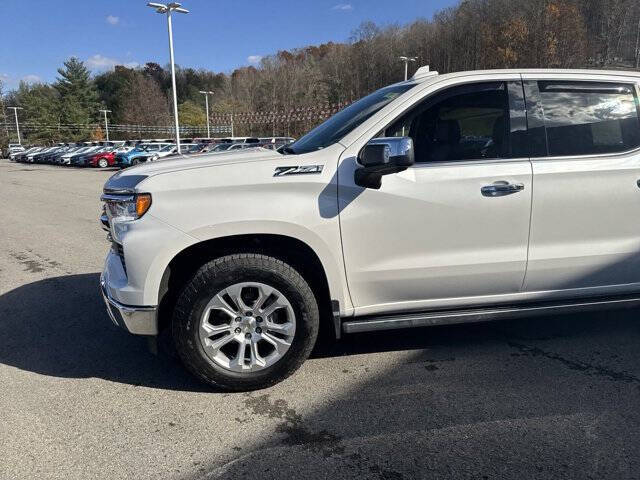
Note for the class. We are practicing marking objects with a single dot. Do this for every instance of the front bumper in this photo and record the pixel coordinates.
(136, 320)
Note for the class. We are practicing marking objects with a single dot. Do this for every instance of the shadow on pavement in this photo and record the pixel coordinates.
(543, 398)
(554, 397)
(59, 327)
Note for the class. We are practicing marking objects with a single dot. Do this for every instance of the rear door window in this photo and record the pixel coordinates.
(587, 118)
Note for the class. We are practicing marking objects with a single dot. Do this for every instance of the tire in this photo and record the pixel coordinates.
(257, 371)
(134, 162)
(103, 163)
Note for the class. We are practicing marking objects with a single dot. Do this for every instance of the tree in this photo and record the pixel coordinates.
(145, 104)
(41, 106)
(192, 114)
(78, 96)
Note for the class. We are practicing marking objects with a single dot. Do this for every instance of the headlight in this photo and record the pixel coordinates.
(122, 209)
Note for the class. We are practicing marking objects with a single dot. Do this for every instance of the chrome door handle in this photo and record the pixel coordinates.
(501, 188)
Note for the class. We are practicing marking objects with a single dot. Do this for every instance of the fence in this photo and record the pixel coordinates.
(291, 122)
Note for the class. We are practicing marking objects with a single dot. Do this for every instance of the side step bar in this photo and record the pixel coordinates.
(450, 317)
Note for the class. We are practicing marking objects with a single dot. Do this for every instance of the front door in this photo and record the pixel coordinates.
(456, 224)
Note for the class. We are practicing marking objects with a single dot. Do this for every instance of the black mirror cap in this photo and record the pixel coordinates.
(373, 155)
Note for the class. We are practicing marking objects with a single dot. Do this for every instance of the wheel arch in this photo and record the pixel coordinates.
(294, 251)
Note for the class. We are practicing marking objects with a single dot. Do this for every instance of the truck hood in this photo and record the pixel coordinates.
(183, 162)
(133, 175)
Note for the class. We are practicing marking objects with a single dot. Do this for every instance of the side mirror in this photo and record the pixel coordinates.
(383, 156)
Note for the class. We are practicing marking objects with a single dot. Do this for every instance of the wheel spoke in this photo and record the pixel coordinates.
(238, 362)
(219, 303)
(216, 344)
(256, 359)
(275, 305)
(279, 344)
(282, 328)
(264, 292)
(209, 330)
(235, 292)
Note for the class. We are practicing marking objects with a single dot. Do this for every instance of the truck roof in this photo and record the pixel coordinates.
(423, 74)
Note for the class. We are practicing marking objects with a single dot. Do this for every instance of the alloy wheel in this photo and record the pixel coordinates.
(247, 327)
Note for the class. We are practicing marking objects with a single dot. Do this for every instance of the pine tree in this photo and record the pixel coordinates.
(41, 107)
(78, 96)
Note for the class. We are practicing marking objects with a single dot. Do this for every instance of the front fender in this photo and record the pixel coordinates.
(332, 265)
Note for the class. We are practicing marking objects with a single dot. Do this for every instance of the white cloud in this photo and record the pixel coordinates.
(98, 62)
(31, 78)
(254, 59)
(112, 20)
(343, 7)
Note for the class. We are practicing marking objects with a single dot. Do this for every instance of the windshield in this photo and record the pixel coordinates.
(167, 148)
(222, 147)
(346, 120)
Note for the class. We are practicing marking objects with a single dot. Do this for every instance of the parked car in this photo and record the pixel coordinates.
(139, 154)
(52, 158)
(167, 151)
(17, 156)
(66, 158)
(42, 155)
(241, 146)
(102, 159)
(30, 156)
(383, 217)
(220, 147)
(12, 149)
(83, 159)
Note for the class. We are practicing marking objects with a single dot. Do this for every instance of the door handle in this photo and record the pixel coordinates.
(501, 188)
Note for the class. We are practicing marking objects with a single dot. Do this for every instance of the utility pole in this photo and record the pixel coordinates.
(638, 45)
(406, 61)
(15, 113)
(206, 102)
(106, 124)
(171, 7)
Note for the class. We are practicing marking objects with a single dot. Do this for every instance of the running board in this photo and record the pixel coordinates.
(450, 317)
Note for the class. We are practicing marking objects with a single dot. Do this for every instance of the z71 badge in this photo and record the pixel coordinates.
(298, 170)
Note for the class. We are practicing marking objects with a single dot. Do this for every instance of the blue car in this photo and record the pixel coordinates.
(139, 154)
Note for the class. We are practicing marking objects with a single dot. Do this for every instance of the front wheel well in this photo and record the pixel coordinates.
(288, 249)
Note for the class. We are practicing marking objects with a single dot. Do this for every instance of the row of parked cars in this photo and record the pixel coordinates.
(127, 153)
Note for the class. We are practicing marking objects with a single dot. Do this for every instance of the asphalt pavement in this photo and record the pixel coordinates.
(543, 398)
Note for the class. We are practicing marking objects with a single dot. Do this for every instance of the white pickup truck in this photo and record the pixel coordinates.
(442, 199)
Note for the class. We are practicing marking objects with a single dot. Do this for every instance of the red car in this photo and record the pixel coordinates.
(102, 160)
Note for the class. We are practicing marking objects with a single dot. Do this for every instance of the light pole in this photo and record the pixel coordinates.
(406, 61)
(106, 124)
(15, 113)
(168, 8)
(206, 102)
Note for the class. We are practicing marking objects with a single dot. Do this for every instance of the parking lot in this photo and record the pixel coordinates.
(554, 397)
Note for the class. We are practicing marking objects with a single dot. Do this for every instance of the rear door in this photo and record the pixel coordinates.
(585, 234)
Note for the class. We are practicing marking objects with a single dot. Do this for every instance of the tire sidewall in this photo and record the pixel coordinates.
(213, 278)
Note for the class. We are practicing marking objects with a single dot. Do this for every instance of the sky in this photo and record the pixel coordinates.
(218, 35)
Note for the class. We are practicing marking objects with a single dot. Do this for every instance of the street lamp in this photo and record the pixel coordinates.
(406, 61)
(15, 113)
(206, 102)
(106, 124)
(168, 8)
